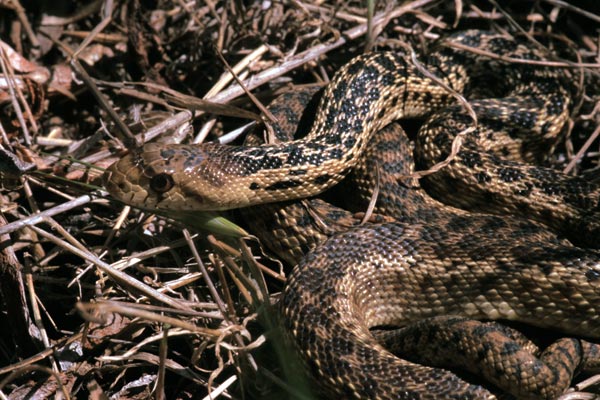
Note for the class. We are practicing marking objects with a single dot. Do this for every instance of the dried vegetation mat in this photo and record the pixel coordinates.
(100, 300)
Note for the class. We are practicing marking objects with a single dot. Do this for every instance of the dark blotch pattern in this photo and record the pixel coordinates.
(284, 185)
(322, 179)
(482, 177)
(508, 174)
(471, 159)
(592, 274)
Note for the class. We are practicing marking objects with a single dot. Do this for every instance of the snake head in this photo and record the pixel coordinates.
(169, 178)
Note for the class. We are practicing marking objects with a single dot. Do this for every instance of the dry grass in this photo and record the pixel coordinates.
(100, 300)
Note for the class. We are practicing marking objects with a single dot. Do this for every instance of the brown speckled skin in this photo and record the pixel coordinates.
(433, 260)
(433, 270)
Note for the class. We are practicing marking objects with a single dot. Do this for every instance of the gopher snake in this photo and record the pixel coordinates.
(342, 289)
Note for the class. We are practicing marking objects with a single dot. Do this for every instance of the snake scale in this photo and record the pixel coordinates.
(445, 270)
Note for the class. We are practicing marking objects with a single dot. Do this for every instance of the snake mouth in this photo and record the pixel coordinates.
(106, 178)
(117, 179)
(113, 182)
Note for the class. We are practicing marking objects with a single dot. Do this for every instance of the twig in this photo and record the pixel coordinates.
(313, 53)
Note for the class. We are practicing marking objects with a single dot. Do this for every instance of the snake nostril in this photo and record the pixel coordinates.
(161, 183)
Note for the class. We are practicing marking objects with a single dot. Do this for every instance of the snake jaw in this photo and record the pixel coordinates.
(117, 181)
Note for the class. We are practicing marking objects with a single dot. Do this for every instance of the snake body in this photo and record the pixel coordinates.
(394, 274)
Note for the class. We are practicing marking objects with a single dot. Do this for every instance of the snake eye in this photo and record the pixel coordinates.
(161, 183)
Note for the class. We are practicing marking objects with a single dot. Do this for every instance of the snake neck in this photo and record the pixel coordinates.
(364, 96)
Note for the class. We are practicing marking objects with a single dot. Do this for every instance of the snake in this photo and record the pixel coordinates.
(447, 270)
